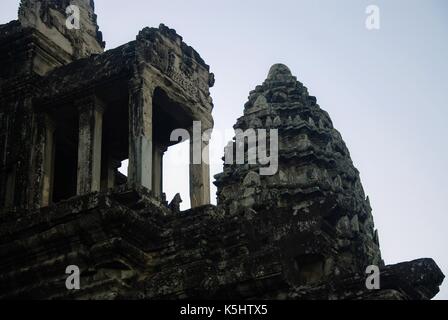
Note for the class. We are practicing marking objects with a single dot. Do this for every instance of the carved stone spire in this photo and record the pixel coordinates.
(314, 178)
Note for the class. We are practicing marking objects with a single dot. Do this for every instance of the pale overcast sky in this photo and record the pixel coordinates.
(385, 90)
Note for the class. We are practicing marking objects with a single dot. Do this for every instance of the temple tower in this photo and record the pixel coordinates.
(316, 180)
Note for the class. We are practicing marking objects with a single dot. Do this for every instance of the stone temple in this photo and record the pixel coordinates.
(70, 113)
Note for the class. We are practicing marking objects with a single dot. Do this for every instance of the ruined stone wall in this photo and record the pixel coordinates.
(128, 246)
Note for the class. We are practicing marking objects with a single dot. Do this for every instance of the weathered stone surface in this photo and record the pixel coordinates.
(414, 280)
(49, 18)
(305, 232)
(129, 246)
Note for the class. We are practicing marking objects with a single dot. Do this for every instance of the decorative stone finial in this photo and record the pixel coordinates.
(279, 70)
(175, 203)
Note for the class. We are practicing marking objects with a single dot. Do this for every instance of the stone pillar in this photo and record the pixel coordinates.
(8, 176)
(48, 164)
(140, 134)
(157, 171)
(10, 187)
(89, 147)
(108, 173)
(199, 170)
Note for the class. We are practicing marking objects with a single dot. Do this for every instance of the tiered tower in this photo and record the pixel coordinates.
(40, 39)
(56, 20)
(316, 180)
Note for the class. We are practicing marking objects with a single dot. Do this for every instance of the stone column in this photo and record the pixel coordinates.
(48, 163)
(10, 187)
(108, 173)
(89, 147)
(199, 169)
(157, 171)
(140, 134)
(7, 178)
